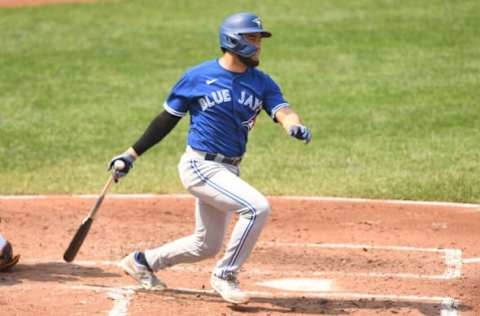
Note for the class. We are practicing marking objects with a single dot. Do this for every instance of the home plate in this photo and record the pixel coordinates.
(300, 285)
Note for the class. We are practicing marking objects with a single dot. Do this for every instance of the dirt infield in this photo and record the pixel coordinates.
(316, 256)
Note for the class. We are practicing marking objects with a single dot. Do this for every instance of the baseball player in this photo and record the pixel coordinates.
(223, 97)
(7, 259)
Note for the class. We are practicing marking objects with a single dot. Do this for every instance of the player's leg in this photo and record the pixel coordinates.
(205, 242)
(219, 185)
(228, 192)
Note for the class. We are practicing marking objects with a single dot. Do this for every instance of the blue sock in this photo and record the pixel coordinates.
(140, 259)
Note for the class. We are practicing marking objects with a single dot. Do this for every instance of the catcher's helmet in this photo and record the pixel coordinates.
(233, 28)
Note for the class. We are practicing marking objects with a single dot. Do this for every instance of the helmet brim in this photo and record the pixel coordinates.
(266, 34)
(254, 30)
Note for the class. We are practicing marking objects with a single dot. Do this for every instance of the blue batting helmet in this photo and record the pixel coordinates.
(233, 28)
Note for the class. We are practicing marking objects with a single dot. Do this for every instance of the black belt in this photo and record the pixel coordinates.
(223, 159)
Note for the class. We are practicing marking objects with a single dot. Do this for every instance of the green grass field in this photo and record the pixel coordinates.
(389, 88)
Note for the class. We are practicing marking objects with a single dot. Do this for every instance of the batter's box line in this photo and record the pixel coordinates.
(452, 259)
(192, 268)
(122, 295)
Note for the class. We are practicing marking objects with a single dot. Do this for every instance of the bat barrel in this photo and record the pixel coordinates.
(77, 240)
(82, 231)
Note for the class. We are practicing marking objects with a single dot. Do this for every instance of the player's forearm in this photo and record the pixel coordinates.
(160, 126)
(287, 117)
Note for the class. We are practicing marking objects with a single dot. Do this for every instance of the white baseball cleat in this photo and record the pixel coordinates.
(228, 289)
(141, 273)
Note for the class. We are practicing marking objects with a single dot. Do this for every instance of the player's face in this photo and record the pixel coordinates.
(255, 39)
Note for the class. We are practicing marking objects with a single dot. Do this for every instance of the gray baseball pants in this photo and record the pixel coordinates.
(219, 193)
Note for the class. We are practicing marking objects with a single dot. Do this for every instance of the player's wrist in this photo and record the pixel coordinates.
(131, 152)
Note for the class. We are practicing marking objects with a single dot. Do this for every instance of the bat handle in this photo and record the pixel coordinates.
(99, 201)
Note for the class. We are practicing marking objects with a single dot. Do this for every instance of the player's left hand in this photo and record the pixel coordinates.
(127, 159)
(300, 132)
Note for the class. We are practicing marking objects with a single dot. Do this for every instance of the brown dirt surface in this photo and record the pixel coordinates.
(382, 258)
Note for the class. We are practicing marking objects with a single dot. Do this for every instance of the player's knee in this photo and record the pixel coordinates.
(262, 207)
(258, 209)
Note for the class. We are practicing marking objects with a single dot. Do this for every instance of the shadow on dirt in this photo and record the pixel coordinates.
(313, 306)
(52, 272)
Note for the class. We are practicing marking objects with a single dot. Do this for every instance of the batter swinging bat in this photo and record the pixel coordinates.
(82, 231)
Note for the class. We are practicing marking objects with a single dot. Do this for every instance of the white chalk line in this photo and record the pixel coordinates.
(452, 259)
(121, 298)
(266, 272)
(471, 260)
(353, 246)
(123, 295)
(300, 284)
(279, 197)
(448, 305)
(453, 262)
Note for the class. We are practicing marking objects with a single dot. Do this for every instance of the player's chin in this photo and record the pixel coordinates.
(255, 62)
(250, 61)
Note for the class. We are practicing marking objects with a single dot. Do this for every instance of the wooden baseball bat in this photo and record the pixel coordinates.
(82, 231)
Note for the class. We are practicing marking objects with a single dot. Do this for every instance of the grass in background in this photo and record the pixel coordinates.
(390, 90)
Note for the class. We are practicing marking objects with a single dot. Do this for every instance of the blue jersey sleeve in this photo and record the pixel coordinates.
(178, 101)
(272, 99)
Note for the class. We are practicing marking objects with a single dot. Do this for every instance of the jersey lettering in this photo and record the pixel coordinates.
(215, 98)
(223, 105)
(250, 100)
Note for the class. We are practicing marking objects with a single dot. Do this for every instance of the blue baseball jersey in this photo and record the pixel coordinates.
(223, 105)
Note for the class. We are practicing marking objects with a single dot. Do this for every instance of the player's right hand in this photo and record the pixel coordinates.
(127, 159)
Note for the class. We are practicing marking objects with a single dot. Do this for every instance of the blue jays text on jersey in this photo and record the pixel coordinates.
(223, 105)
